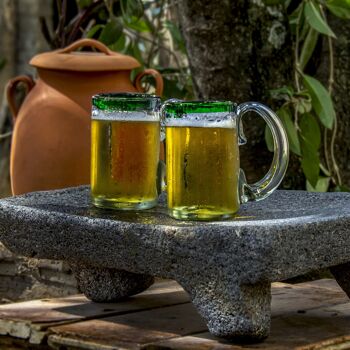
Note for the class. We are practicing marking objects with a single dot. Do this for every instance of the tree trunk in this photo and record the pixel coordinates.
(21, 39)
(7, 40)
(239, 50)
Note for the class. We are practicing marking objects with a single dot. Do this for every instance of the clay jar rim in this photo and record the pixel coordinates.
(84, 61)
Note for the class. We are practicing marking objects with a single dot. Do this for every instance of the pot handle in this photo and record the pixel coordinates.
(86, 42)
(11, 86)
(156, 75)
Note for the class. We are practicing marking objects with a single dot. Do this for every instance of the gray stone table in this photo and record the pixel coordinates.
(226, 267)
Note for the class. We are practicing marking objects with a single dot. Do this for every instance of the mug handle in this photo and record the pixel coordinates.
(11, 86)
(263, 188)
(161, 171)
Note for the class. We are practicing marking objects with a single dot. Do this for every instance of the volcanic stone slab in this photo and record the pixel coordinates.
(226, 267)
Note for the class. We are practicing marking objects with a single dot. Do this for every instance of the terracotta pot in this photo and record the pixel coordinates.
(51, 137)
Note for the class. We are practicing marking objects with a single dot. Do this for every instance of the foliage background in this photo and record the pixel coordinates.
(150, 31)
(146, 30)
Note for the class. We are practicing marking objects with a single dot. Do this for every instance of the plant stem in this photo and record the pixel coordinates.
(138, 35)
(325, 150)
(330, 90)
(335, 127)
(296, 52)
(5, 135)
(83, 18)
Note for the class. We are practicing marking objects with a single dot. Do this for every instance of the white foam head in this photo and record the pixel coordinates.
(203, 120)
(136, 116)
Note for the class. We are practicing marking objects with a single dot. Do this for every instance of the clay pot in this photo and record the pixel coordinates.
(51, 137)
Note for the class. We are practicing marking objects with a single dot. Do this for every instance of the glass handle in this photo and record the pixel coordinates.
(161, 171)
(273, 178)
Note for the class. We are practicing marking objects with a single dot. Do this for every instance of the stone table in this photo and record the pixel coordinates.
(226, 266)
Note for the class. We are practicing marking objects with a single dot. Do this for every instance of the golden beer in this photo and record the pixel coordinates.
(124, 160)
(204, 180)
(202, 171)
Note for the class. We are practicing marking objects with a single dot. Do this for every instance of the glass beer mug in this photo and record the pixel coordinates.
(125, 141)
(203, 175)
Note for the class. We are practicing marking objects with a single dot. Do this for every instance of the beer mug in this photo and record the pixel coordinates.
(125, 150)
(204, 179)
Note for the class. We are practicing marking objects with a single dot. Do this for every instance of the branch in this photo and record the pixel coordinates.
(130, 32)
(85, 16)
(46, 32)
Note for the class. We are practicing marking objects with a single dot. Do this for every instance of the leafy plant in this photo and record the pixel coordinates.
(138, 28)
(307, 110)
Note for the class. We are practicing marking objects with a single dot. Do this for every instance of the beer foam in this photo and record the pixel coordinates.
(203, 120)
(137, 116)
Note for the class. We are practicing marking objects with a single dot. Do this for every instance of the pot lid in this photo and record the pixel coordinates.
(68, 60)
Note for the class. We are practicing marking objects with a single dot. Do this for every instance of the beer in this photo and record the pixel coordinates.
(202, 170)
(124, 159)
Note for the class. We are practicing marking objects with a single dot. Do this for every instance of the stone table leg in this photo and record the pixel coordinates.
(342, 274)
(109, 285)
(232, 310)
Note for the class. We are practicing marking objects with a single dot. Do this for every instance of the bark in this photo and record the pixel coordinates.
(7, 40)
(30, 40)
(7, 52)
(239, 50)
(21, 39)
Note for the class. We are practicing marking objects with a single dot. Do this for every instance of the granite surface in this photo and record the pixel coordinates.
(226, 266)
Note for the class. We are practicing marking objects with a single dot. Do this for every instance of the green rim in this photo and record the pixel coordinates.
(177, 109)
(126, 102)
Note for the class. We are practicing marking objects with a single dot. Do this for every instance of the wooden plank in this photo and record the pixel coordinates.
(304, 317)
(323, 283)
(11, 343)
(299, 297)
(130, 331)
(160, 329)
(31, 319)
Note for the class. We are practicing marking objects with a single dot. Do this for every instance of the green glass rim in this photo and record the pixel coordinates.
(178, 108)
(126, 102)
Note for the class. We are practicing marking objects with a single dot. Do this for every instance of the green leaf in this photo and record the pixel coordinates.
(268, 138)
(119, 45)
(176, 35)
(131, 8)
(111, 32)
(304, 105)
(137, 53)
(310, 140)
(340, 8)
(310, 132)
(314, 18)
(286, 118)
(283, 93)
(139, 25)
(309, 164)
(274, 2)
(103, 15)
(322, 185)
(94, 30)
(342, 188)
(308, 47)
(303, 28)
(321, 101)
(294, 17)
(84, 3)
